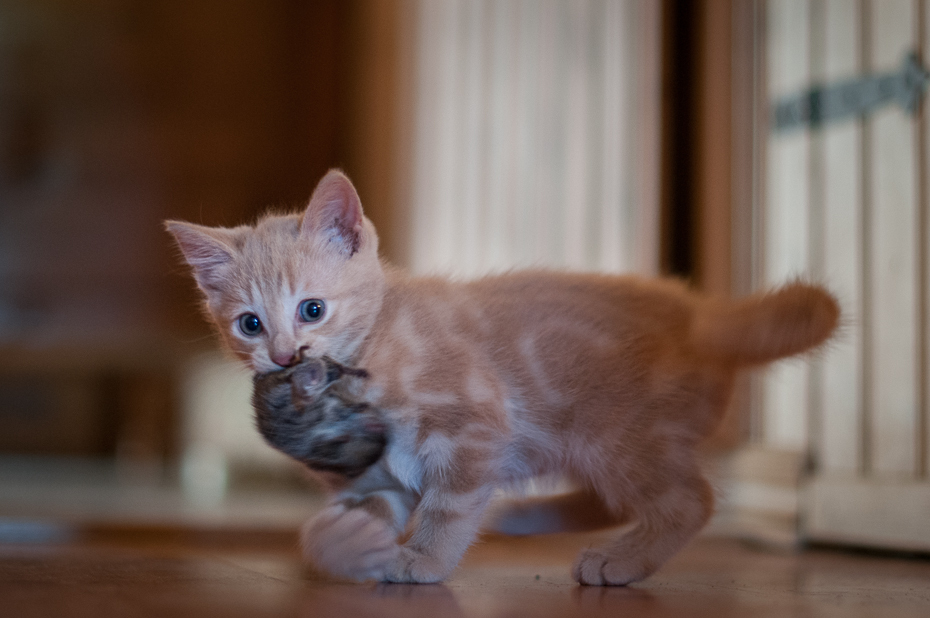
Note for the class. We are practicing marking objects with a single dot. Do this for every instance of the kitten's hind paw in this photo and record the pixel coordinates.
(597, 568)
(349, 543)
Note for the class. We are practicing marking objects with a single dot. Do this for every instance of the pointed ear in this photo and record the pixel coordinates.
(208, 250)
(335, 213)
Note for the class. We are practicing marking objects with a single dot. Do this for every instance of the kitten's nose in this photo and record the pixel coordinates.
(285, 359)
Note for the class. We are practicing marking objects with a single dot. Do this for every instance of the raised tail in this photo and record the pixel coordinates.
(767, 326)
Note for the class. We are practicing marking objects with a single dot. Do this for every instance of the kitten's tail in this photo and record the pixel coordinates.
(765, 327)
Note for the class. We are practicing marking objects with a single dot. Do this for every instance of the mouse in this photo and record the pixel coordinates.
(306, 412)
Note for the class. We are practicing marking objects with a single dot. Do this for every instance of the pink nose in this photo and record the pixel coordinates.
(285, 359)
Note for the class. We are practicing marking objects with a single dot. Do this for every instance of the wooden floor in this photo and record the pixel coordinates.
(165, 573)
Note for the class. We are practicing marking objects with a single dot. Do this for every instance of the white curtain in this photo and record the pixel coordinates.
(536, 136)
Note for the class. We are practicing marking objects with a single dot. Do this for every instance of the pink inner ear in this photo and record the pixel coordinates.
(335, 211)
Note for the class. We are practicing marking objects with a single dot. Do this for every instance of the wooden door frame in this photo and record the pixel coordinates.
(377, 100)
(710, 158)
(714, 98)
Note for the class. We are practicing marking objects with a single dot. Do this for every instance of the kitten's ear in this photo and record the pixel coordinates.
(335, 212)
(208, 250)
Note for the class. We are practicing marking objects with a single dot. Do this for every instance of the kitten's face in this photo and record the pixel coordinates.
(309, 281)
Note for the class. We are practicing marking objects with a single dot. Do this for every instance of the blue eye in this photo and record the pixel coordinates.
(249, 324)
(311, 310)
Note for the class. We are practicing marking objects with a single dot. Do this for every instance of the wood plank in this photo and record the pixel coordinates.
(545, 172)
(816, 214)
(470, 181)
(376, 121)
(525, 124)
(893, 264)
(713, 165)
(643, 28)
(758, 494)
(923, 436)
(574, 132)
(848, 510)
(785, 243)
(619, 58)
(502, 27)
(425, 209)
(450, 111)
(839, 442)
(749, 99)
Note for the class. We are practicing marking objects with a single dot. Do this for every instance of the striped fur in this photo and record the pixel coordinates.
(609, 381)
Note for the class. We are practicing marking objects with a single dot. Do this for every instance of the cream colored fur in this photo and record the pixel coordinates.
(610, 381)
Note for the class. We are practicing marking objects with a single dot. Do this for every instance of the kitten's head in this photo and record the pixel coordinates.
(310, 280)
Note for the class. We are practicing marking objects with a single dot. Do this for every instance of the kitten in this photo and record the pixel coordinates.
(610, 381)
(304, 411)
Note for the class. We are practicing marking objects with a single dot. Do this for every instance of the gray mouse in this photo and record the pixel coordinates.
(305, 411)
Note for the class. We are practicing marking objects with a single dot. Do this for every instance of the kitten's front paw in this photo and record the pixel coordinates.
(350, 543)
(412, 567)
(598, 568)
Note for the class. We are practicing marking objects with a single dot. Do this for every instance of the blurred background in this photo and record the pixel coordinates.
(732, 143)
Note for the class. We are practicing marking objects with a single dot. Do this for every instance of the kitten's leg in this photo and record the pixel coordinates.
(446, 523)
(457, 481)
(356, 535)
(458, 477)
(356, 538)
(664, 514)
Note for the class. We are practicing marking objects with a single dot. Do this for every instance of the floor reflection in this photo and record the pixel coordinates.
(627, 598)
(379, 600)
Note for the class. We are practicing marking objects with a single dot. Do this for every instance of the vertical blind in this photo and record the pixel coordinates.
(536, 136)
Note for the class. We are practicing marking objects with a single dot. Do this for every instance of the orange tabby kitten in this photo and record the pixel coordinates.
(609, 381)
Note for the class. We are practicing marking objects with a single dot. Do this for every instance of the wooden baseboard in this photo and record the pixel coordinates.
(765, 497)
(757, 495)
(867, 512)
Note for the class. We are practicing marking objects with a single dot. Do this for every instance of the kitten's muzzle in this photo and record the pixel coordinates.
(284, 359)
